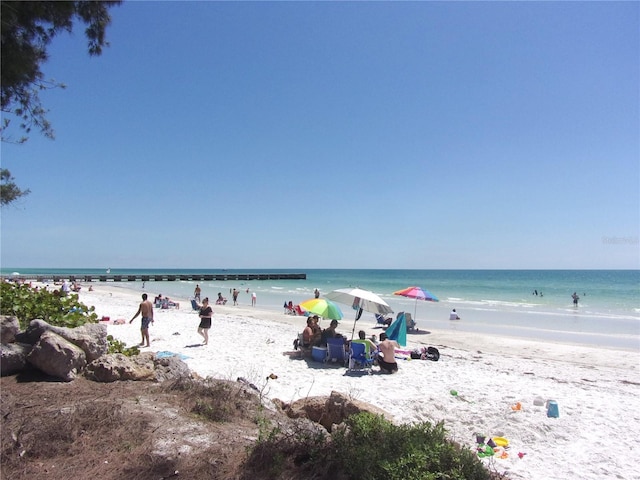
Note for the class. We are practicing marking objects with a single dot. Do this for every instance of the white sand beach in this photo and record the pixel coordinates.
(596, 435)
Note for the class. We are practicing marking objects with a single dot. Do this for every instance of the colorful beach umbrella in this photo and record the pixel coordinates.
(322, 307)
(419, 294)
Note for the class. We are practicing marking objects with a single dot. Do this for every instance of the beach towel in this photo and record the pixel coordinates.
(167, 354)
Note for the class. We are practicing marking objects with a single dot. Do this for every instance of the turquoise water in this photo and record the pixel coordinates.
(489, 301)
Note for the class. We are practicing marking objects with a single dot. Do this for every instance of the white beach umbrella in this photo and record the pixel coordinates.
(360, 300)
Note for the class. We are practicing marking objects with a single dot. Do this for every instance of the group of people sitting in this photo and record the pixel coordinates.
(383, 353)
(66, 288)
(164, 302)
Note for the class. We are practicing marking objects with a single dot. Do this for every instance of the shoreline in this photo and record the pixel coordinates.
(596, 390)
(433, 317)
(492, 343)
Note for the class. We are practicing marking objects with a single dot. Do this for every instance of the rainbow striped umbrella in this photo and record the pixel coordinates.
(419, 294)
(322, 307)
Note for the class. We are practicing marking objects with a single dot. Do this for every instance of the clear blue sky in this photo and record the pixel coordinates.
(338, 135)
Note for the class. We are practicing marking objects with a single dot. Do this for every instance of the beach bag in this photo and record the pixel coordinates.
(433, 354)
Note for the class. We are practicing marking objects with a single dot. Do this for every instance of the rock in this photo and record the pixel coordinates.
(90, 337)
(116, 366)
(57, 357)
(13, 358)
(301, 428)
(309, 407)
(329, 411)
(170, 368)
(9, 328)
(34, 331)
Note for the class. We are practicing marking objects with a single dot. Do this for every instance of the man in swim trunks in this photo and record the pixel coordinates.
(146, 309)
(386, 357)
(235, 296)
(206, 312)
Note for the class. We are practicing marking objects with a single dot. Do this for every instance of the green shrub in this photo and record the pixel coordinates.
(26, 304)
(367, 446)
(374, 447)
(117, 346)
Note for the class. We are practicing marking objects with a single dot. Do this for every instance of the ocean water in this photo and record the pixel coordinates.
(488, 301)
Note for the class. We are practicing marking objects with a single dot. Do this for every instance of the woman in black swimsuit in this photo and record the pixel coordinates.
(205, 320)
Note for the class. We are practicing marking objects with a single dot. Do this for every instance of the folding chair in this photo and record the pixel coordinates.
(335, 351)
(360, 356)
(411, 323)
(381, 320)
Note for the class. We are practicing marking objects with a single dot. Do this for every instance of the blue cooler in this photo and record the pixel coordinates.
(552, 409)
(319, 354)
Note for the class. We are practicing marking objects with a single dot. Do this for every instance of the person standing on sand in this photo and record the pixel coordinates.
(196, 293)
(206, 312)
(146, 309)
(253, 299)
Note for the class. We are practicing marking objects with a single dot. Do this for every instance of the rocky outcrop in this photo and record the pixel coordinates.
(9, 328)
(58, 357)
(13, 358)
(90, 337)
(143, 367)
(65, 353)
(328, 411)
(116, 366)
(170, 368)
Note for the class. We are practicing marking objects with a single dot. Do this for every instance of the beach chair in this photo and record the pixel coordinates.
(298, 344)
(360, 356)
(194, 305)
(336, 352)
(381, 320)
(411, 323)
(289, 309)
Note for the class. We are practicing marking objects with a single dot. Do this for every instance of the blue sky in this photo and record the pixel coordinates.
(338, 135)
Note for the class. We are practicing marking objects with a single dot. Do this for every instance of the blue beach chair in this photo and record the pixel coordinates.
(336, 352)
(360, 356)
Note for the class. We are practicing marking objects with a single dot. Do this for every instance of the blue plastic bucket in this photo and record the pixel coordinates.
(552, 409)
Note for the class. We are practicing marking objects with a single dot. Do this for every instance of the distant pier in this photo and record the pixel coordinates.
(162, 277)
